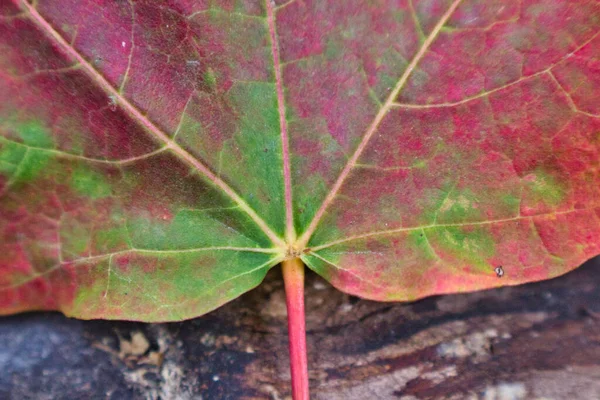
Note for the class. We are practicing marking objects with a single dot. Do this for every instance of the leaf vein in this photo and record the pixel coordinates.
(287, 175)
(109, 256)
(434, 226)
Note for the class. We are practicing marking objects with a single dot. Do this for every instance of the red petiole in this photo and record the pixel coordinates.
(293, 276)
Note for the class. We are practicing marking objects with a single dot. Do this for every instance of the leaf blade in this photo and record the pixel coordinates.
(144, 121)
(375, 124)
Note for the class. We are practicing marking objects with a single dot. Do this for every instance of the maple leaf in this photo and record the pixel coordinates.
(158, 158)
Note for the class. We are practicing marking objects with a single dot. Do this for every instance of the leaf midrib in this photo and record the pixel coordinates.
(290, 233)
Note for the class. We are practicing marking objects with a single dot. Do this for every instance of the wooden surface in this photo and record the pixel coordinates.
(536, 341)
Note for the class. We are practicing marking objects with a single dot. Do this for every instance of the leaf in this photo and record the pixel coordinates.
(157, 159)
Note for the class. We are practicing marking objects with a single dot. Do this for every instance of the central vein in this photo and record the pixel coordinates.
(290, 232)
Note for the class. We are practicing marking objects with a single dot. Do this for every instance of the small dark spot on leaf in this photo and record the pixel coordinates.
(266, 150)
(499, 271)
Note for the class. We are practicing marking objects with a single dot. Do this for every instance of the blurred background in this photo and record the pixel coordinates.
(535, 341)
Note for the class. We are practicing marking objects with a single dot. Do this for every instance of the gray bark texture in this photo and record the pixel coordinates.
(535, 341)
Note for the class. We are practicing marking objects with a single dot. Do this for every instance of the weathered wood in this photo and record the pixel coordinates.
(535, 341)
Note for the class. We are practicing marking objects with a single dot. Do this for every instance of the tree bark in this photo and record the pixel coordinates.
(539, 340)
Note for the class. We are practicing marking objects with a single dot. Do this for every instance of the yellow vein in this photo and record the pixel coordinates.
(268, 264)
(279, 7)
(158, 134)
(569, 97)
(11, 181)
(416, 19)
(433, 226)
(470, 98)
(109, 256)
(547, 70)
(290, 233)
(431, 248)
(39, 72)
(227, 13)
(131, 48)
(354, 274)
(230, 248)
(375, 124)
(107, 288)
(70, 156)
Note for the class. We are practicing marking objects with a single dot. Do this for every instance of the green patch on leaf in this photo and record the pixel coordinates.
(321, 267)
(90, 183)
(160, 287)
(471, 245)
(34, 162)
(459, 206)
(333, 49)
(545, 189)
(11, 155)
(210, 78)
(419, 241)
(35, 135)
(111, 239)
(189, 229)
(258, 136)
(75, 238)
(511, 201)
(24, 162)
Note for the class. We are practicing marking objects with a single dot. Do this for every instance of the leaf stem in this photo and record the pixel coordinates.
(293, 277)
